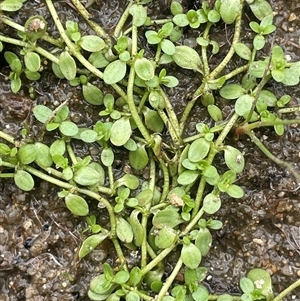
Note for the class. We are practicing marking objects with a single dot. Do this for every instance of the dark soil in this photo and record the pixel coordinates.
(39, 237)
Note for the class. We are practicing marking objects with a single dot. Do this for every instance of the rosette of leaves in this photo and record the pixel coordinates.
(116, 70)
(90, 43)
(192, 18)
(160, 38)
(264, 28)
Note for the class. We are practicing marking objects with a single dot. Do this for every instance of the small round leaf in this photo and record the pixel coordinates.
(77, 204)
(24, 180)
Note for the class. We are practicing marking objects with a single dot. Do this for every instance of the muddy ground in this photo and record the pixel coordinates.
(39, 237)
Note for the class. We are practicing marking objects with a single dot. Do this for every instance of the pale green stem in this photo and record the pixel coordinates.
(230, 74)
(38, 49)
(146, 213)
(211, 155)
(278, 161)
(71, 154)
(110, 177)
(169, 281)
(7, 137)
(130, 86)
(122, 21)
(75, 52)
(7, 175)
(204, 50)
(169, 126)
(170, 112)
(152, 264)
(189, 107)
(96, 27)
(21, 28)
(287, 291)
(166, 185)
(230, 53)
(157, 54)
(143, 100)
(288, 110)
(248, 127)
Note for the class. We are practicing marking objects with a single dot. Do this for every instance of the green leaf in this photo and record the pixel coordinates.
(24, 180)
(153, 121)
(292, 75)
(98, 59)
(246, 285)
(188, 177)
(201, 293)
(243, 105)
(114, 72)
(257, 68)
(15, 85)
(132, 296)
(120, 132)
(13, 61)
(91, 43)
(86, 176)
(33, 76)
(124, 230)
(203, 241)
(56, 70)
(261, 9)
(135, 276)
(139, 158)
(229, 10)
(77, 204)
(190, 256)
(27, 153)
(211, 203)
(58, 147)
(67, 65)
(92, 94)
(68, 128)
(88, 135)
(121, 277)
(242, 51)
(144, 68)
(262, 282)
(35, 28)
(167, 47)
(167, 218)
(225, 297)
(139, 14)
(90, 243)
(137, 228)
(186, 57)
(176, 8)
(107, 156)
(32, 61)
(11, 5)
(198, 150)
(235, 191)
(234, 159)
(181, 20)
(165, 237)
(127, 180)
(215, 113)
(232, 91)
(101, 286)
(43, 157)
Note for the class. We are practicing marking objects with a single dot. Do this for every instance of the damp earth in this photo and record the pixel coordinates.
(39, 237)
